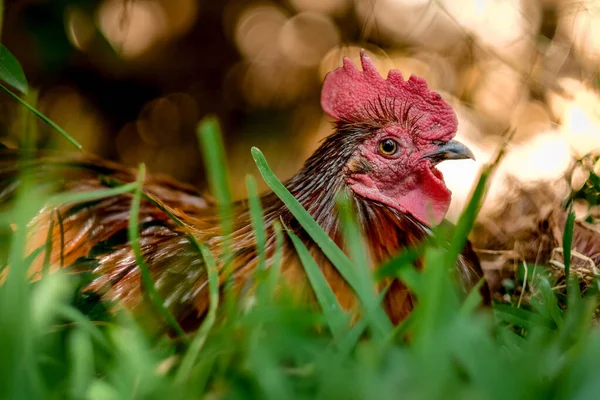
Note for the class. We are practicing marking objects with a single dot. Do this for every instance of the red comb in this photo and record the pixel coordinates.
(351, 95)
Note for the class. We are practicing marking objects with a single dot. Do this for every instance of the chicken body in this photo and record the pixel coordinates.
(357, 159)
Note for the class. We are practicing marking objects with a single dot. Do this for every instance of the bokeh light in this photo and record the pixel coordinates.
(73, 112)
(332, 7)
(257, 31)
(132, 27)
(306, 38)
(80, 27)
(580, 22)
(530, 66)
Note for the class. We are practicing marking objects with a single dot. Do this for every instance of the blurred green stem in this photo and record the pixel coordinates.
(27, 121)
(42, 116)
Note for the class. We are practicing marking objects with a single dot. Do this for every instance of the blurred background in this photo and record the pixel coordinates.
(130, 79)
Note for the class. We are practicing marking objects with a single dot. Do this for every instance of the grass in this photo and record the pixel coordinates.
(277, 348)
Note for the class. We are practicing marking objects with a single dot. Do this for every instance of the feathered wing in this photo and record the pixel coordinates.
(93, 234)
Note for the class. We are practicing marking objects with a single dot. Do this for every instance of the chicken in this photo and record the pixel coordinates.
(389, 134)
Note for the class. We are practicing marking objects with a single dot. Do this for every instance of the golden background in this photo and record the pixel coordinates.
(131, 79)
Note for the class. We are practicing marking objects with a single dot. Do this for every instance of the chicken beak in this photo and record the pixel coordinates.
(452, 150)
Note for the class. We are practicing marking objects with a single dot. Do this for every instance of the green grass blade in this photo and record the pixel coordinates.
(102, 390)
(357, 249)
(331, 250)
(549, 302)
(61, 230)
(521, 318)
(580, 316)
(50, 293)
(197, 343)
(437, 300)
(257, 219)
(11, 71)
(33, 255)
(321, 238)
(353, 238)
(273, 271)
(133, 236)
(16, 335)
(467, 218)
(80, 197)
(209, 136)
(72, 314)
(164, 209)
(411, 277)
(334, 315)
(567, 244)
(473, 300)
(350, 338)
(82, 363)
(390, 268)
(403, 328)
(43, 117)
(213, 276)
(28, 126)
(48, 248)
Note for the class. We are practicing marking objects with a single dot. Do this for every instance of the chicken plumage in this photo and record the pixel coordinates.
(389, 135)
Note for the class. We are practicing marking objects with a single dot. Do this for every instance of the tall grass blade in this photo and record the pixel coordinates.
(438, 301)
(11, 71)
(82, 363)
(81, 197)
(335, 317)
(390, 268)
(567, 244)
(467, 218)
(273, 270)
(43, 117)
(522, 318)
(83, 322)
(28, 126)
(353, 239)
(321, 238)
(547, 305)
(46, 298)
(257, 219)
(197, 343)
(355, 243)
(209, 136)
(351, 338)
(48, 248)
(473, 299)
(331, 250)
(18, 364)
(134, 240)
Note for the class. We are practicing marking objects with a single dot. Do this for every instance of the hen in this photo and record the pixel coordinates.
(389, 134)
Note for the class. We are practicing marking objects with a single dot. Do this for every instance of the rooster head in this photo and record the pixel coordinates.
(405, 130)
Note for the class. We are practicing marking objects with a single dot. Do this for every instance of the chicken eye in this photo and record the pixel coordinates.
(388, 147)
